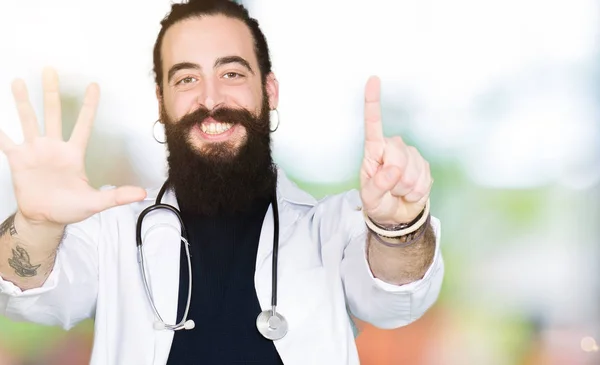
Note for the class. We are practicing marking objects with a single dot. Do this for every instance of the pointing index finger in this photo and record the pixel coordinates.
(373, 127)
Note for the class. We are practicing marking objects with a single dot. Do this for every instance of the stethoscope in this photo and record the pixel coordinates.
(270, 324)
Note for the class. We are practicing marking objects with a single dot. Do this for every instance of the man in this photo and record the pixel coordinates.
(69, 252)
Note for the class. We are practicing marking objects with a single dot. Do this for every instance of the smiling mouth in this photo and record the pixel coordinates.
(213, 127)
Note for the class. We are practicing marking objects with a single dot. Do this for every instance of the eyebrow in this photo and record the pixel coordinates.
(219, 62)
(234, 59)
(182, 66)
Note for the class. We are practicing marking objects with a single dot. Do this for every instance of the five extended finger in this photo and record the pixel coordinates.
(106, 199)
(5, 142)
(83, 127)
(25, 110)
(52, 108)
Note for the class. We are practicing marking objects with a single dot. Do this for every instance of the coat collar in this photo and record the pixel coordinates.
(288, 196)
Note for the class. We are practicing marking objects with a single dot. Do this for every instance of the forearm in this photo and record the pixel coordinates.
(401, 265)
(27, 251)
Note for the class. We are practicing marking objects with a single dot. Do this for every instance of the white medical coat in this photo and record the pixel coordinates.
(323, 276)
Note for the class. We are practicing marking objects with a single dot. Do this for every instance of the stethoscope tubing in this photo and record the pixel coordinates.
(158, 205)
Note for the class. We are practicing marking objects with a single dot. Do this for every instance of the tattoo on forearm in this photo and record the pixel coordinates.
(22, 264)
(8, 226)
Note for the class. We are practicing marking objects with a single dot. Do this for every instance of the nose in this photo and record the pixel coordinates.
(211, 96)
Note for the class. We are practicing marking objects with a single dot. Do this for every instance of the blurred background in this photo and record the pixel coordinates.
(501, 96)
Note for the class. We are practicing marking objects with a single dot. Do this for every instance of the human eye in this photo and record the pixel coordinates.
(186, 80)
(233, 75)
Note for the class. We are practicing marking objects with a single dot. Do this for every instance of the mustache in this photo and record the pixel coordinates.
(224, 115)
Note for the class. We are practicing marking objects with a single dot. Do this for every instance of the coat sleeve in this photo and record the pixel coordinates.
(374, 301)
(69, 294)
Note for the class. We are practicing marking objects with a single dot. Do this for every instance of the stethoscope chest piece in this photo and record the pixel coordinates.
(271, 324)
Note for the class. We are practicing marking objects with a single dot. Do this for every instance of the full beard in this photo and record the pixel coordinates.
(221, 179)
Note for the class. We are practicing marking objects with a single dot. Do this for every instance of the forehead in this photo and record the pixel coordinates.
(203, 39)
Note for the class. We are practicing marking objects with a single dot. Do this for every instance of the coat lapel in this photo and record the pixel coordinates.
(288, 195)
(161, 234)
(162, 251)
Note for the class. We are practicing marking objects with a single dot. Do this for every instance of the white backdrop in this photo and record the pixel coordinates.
(440, 61)
(508, 88)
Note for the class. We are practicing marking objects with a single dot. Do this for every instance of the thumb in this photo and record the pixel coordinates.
(377, 186)
(123, 195)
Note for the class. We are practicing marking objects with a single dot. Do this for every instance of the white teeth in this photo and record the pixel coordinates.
(215, 128)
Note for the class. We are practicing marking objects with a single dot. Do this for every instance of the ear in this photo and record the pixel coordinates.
(272, 87)
(159, 98)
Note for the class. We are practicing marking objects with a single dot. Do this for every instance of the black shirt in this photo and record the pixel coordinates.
(224, 304)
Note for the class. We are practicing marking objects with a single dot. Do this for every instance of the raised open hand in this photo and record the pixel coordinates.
(48, 173)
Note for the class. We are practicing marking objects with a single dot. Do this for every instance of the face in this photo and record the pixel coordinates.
(216, 114)
(209, 64)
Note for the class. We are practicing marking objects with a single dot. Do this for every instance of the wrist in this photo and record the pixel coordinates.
(26, 223)
(399, 226)
(30, 231)
(404, 240)
(399, 230)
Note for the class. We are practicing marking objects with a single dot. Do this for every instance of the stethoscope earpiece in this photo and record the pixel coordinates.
(189, 325)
